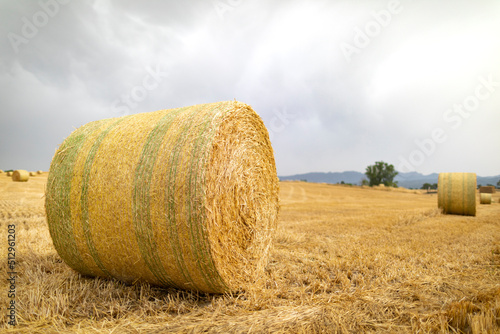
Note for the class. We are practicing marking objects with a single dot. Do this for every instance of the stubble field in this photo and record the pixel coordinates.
(345, 260)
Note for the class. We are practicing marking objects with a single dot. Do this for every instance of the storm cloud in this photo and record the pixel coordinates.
(338, 84)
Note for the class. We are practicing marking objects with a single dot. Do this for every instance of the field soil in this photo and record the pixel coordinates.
(345, 260)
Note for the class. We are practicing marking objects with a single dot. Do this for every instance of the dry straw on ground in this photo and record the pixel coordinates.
(457, 193)
(186, 197)
(344, 260)
(487, 189)
(20, 175)
(485, 198)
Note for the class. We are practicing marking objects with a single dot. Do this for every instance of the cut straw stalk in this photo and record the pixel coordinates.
(20, 175)
(485, 198)
(457, 193)
(185, 197)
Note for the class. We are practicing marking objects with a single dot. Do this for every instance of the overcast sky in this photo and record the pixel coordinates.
(339, 84)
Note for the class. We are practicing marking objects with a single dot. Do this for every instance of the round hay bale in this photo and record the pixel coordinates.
(1, 171)
(485, 198)
(20, 175)
(457, 193)
(9, 173)
(39, 172)
(382, 185)
(32, 174)
(185, 198)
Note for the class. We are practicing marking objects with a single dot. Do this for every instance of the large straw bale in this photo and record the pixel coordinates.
(20, 175)
(457, 193)
(185, 198)
(487, 189)
(485, 198)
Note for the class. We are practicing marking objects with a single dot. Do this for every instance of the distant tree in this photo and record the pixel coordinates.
(380, 173)
(364, 182)
(426, 186)
(498, 183)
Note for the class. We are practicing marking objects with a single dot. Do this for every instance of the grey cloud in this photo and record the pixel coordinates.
(280, 57)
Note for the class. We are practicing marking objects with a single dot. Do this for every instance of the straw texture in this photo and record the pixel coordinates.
(487, 189)
(457, 193)
(485, 198)
(184, 198)
(20, 175)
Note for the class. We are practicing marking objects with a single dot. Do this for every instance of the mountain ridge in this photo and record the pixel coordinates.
(406, 180)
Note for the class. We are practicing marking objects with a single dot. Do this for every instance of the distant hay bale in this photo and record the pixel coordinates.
(1, 171)
(381, 185)
(457, 193)
(32, 174)
(184, 198)
(9, 173)
(20, 175)
(487, 190)
(39, 172)
(485, 198)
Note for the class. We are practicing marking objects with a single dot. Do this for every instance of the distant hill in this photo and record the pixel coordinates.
(406, 180)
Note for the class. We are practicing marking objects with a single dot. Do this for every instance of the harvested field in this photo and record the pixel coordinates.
(345, 260)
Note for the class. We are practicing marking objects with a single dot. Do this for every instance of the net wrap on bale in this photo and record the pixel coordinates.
(184, 198)
(457, 193)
